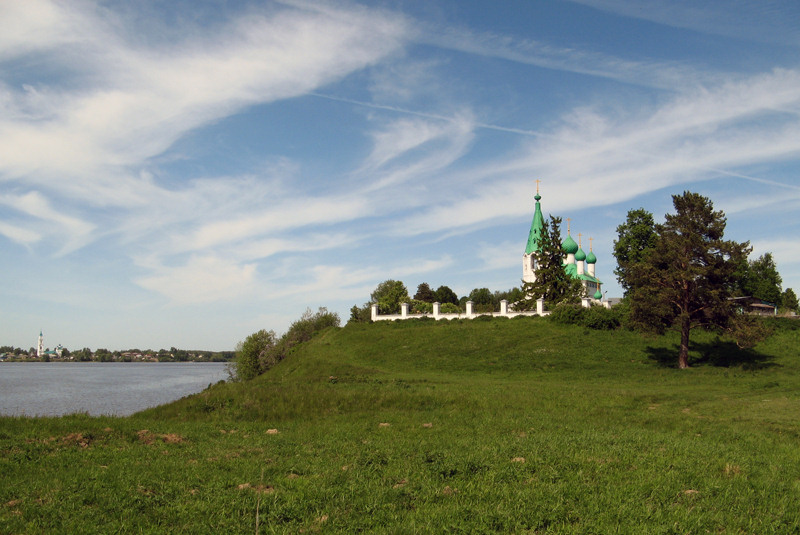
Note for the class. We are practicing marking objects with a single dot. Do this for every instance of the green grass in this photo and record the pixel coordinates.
(519, 426)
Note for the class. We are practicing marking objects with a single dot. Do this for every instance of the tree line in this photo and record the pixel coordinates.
(105, 355)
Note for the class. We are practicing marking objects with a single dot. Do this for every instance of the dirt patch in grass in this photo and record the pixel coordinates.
(76, 439)
(146, 437)
(260, 489)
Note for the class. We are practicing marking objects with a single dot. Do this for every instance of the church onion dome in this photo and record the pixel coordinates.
(590, 258)
(569, 246)
(598, 295)
(580, 255)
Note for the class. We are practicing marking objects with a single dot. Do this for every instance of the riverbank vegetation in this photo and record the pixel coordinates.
(17, 354)
(521, 425)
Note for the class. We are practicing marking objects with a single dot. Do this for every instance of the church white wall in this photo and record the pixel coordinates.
(469, 314)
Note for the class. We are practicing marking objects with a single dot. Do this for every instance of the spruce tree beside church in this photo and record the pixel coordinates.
(689, 275)
(552, 280)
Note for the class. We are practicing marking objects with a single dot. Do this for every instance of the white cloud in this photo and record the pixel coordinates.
(72, 232)
(662, 75)
(135, 102)
(20, 235)
(202, 279)
(38, 24)
(289, 214)
(597, 158)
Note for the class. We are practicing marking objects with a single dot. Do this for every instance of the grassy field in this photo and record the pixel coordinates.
(518, 426)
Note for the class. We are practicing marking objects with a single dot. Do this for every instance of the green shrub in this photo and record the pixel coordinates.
(362, 314)
(483, 308)
(449, 308)
(568, 314)
(251, 352)
(600, 318)
(421, 307)
(261, 351)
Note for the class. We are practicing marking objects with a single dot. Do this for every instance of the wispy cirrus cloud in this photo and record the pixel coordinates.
(201, 279)
(89, 143)
(770, 21)
(39, 215)
(672, 76)
(137, 102)
(610, 158)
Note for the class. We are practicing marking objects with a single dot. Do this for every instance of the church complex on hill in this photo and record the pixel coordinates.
(577, 264)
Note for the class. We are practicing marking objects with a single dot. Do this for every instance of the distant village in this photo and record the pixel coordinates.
(60, 353)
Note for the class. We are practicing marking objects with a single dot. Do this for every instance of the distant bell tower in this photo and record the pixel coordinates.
(40, 347)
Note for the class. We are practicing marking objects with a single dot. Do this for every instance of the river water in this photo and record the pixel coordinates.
(99, 388)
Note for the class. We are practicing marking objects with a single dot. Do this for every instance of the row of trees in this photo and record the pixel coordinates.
(390, 294)
(759, 278)
(105, 355)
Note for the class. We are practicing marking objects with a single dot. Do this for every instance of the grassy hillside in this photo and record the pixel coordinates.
(516, 425)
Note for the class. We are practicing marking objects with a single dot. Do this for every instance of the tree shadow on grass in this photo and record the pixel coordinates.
(718, 353)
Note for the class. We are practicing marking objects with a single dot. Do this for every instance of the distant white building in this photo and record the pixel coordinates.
(40, 352)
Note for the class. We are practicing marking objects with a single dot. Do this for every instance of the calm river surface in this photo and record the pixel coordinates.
(99, 388)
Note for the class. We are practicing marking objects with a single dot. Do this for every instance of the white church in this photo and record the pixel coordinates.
(577, 263)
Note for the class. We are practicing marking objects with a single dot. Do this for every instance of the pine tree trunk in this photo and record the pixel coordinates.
(683, 355)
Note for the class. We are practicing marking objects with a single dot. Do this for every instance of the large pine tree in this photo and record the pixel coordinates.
(690, 273)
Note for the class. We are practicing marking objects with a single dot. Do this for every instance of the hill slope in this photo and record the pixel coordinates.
(476, 426)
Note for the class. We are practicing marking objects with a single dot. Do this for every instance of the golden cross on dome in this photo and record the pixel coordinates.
(537, 186)
(590, 243)
(579, 239)
(569, 220)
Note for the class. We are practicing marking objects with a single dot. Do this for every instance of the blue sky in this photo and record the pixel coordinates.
(186, 173)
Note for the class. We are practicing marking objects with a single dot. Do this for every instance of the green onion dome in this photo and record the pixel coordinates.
(580, 255)
(598, 295)
(590, 258)
(569, 246)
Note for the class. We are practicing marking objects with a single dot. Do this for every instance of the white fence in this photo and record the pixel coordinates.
(470, 313)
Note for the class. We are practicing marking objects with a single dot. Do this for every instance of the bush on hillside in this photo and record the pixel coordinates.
(567, 314)
(600, 318)
(362, 314)
(594, 317)
(261, 351)
(249, 354)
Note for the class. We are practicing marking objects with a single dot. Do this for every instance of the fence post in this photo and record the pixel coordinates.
(404, 310)
(469, 309)
(436, 310)
(540, 306)
(374, 312)
(504, 307)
